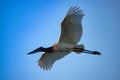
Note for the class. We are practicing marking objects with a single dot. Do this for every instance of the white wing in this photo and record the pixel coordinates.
(71, 27)
(71, 32)
(47, 59)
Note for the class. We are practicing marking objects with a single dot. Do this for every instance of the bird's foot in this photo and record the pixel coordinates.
(92, 52)
(96, 53)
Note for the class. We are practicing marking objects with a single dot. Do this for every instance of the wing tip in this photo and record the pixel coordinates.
(75, 10)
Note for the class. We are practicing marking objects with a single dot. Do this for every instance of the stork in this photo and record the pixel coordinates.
(71, 33)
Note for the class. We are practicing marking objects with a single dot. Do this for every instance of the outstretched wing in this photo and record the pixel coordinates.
(47, 59)
(71, 27)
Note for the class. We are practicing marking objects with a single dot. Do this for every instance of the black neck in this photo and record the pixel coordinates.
(48, 50)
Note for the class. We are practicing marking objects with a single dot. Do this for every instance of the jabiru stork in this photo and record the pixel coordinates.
(71, 33)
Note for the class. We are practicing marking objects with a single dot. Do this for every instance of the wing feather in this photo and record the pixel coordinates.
(71, 27)
(48, 59)
(71, 32)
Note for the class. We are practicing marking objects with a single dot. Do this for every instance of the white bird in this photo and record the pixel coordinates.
(71, 33)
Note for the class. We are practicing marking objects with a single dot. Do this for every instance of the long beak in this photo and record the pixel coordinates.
(34, 51)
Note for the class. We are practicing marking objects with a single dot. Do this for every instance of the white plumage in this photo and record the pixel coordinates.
(71, 33)
(71, 27)
(47, 59)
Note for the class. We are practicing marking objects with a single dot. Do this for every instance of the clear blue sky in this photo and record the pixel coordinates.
(28, 24)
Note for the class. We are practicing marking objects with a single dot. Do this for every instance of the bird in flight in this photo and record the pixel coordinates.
(71, 33)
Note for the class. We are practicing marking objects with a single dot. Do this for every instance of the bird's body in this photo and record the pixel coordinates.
(71, 33)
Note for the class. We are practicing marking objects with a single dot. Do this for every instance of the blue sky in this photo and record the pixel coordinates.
(28, 24)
